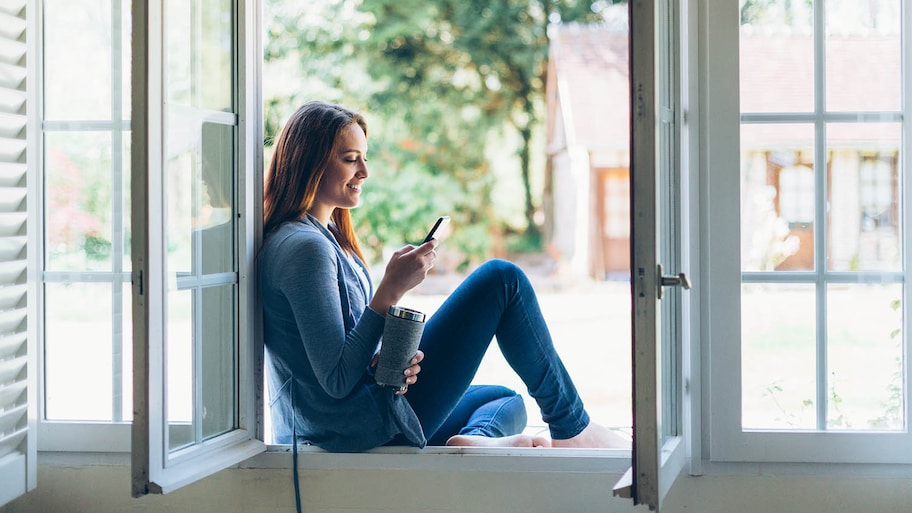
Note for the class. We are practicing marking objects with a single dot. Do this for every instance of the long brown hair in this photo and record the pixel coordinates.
(298, 164)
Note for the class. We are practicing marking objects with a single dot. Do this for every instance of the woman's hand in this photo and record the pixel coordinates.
(411, 373)
(406, 268)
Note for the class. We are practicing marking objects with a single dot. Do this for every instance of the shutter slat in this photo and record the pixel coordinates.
(12, 370)
(12, 27)
(11, 442)
(12, 321)
(12, 272)
(12, 174)
(12, 199)
(12, 346)
(13, 395)
(12, 248)
(12, 224)
(12, 99)
(12, 296)
(12, 126)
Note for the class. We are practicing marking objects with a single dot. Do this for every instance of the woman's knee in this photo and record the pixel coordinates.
(487, 393)
(502, 271)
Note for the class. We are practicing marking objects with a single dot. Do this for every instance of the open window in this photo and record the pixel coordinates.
(659, 283)
(194, 211)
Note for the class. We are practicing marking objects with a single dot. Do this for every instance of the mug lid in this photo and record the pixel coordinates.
(406, 313)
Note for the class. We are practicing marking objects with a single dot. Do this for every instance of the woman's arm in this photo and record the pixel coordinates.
(307, 274)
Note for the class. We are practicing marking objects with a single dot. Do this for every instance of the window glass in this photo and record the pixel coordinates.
(777, 197)
(778, 356)
(864, 161)
(78, 43)
(822, 196)
(777, 56)
(200, 224)
(78, 202)
(87, 368)
(86, 239)
(863, 55)
(864, 357)
(198, 45)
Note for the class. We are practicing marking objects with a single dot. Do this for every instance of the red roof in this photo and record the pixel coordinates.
(592, 73)
(591, 66)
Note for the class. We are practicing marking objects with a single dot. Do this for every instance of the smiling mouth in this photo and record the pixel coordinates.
(354, 187)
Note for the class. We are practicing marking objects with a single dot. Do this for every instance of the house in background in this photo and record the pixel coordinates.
(777, 163)
(587, 171)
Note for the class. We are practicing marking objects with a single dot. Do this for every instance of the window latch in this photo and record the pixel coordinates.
(681, 280)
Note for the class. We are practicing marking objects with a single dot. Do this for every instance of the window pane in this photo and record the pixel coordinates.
(86, 204)
(864, 213)
(777, 57)
(179, 368)
(77, 43)
(199, 47)
(200, 197)
(78, 201)
(863, 55)
(777, 197)
(200, 211)
(864, 357)
(202, 332)
(201, 364)
(778, 356)
(217, 331)
(87, 361)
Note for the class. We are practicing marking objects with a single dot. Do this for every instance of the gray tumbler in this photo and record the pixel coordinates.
(401, 335)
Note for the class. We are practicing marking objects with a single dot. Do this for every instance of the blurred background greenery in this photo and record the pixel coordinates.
(454, 95)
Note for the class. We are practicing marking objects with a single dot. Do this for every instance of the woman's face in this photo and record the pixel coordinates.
(345, 172)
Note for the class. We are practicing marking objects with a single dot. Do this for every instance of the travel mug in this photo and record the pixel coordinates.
(401, 335)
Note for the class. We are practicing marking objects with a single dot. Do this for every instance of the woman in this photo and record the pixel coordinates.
(323, 320)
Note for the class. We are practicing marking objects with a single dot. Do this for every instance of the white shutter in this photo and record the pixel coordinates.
(17, 420)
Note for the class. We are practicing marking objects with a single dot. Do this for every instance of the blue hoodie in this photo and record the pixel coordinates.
(320, 337)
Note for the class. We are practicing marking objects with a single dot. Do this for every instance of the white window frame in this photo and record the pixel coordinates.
(64, 435)
(157, 469)
(720, 226)
(218, 455)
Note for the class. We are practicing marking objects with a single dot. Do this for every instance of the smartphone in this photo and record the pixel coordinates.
(441, 222)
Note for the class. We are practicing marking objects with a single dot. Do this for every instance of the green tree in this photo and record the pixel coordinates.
(437, 79)
(491, 56)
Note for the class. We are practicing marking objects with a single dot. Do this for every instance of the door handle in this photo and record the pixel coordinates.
(680, 280)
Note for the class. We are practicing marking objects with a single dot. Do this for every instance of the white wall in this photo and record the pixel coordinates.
(105, 488)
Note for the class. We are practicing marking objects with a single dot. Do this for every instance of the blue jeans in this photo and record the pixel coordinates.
(495, 301)
(484, 410)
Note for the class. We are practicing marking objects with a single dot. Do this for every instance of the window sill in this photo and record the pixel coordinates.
(449, 458)
(859, 470)
(495, 460)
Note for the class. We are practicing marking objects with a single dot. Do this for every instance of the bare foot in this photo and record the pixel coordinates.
(506, 441)
(595, 436)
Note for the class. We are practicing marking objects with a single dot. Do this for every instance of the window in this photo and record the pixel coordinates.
(194, 216)
(180, 227)
(820, 371)
(85, 246)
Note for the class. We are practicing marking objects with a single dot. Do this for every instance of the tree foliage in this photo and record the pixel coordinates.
(440, 80)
